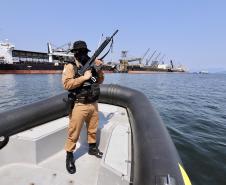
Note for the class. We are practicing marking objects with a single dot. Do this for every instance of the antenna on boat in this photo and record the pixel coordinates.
(100, 41)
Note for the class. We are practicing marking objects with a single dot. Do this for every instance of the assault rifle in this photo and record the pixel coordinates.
(90, 63)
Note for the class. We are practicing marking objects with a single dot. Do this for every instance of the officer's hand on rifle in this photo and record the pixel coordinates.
(87, 75)
(98, 62)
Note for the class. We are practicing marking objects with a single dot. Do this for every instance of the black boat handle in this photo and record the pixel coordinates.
(3, 141)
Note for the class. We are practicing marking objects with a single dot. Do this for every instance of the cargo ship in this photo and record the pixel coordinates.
(13, 61)
(137, 65)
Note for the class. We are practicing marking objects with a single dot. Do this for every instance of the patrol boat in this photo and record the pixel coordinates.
(137, 147)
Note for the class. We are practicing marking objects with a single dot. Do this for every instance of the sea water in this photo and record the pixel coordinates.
(192, 106)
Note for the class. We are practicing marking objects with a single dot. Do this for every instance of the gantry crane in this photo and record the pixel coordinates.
(155, 61)
(171, 62)
(161, 59)
(149, 59)
(144, 55)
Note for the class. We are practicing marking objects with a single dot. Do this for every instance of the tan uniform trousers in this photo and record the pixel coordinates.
(80, 113)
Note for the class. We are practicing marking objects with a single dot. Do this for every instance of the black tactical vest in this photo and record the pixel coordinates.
(88, 92)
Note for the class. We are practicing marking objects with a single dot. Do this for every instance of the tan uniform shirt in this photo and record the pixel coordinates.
(68, 80)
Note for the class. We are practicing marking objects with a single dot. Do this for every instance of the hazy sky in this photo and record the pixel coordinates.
(191, 32)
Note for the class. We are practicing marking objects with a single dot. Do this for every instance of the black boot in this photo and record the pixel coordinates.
(70, 163)
(93, 150)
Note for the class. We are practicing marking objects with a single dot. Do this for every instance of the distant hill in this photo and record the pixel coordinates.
(221, 72)
(217, 70)
(211, 70)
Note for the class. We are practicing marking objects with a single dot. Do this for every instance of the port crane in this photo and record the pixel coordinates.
(149, 59)
(171, 63)
(144, 55)
(125, 59)
(59, 51)
(140, 59)
(155, 61)
(161, 59)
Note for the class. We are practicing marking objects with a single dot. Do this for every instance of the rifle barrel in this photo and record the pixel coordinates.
(114, 34)
(96, 54)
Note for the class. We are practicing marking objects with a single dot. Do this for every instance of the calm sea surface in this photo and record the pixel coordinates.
(193, 107)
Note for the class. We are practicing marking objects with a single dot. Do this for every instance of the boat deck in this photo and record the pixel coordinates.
(36, 156)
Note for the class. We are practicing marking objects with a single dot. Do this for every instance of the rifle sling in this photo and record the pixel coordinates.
(107, 51)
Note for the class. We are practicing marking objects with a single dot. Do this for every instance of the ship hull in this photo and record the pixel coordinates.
(153, 72)
(38, 68)
(31, 68)
(52, 68)
(148, 70)
(30, 71)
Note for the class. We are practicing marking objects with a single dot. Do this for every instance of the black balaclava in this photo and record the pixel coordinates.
(82, 56)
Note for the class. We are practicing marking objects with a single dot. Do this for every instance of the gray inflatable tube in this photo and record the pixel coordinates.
(155, 160)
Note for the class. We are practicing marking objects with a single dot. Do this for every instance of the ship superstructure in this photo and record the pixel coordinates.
(14, 61)
(6, 49)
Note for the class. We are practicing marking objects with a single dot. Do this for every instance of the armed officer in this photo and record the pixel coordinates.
(84, 94)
